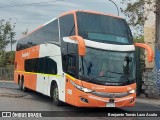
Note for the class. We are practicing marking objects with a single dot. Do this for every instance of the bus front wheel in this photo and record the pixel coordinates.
(56, 100)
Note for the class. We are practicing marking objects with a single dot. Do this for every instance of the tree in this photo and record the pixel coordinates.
(137, 13)
(8, 59)
(25, 32)
(7, 35)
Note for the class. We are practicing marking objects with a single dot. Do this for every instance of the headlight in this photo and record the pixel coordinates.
(86, 90)
(131, 91)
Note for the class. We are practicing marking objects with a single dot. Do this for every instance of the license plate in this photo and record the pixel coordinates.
(110, 105)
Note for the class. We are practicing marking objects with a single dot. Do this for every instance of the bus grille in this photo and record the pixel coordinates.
(110, 95)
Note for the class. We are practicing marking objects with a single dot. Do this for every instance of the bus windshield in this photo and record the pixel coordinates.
(103, 28)
(107, 67)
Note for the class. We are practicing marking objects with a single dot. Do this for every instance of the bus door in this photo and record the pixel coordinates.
(42, 76)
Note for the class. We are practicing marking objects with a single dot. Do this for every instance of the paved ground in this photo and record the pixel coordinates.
(32, 101)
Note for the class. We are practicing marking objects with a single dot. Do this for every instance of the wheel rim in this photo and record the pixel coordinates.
(55, 94)
(23, 85)
(19, 84)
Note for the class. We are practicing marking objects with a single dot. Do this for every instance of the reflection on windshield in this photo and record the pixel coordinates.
(107, 66)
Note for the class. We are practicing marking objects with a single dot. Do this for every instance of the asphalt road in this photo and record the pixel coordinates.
(32, 101)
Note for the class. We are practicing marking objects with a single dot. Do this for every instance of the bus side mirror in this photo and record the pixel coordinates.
(81, 44)
(149, 50)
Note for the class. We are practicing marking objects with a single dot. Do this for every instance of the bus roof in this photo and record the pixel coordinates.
(66, 13)
(88, 11)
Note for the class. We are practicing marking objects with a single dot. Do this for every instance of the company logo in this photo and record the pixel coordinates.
(111, 95)
(69, 91)
(25, 54)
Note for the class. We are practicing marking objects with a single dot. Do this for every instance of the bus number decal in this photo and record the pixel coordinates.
(69, 91)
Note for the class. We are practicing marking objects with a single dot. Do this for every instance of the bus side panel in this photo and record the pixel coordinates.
(29, 53)
(70, 91)
(30, 81)
(20, 58)
(53, 52)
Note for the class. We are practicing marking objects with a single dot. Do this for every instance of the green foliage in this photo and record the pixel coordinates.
(137, 12)
(140, 58)
(7, 35)
(25, 32)
(8, 59)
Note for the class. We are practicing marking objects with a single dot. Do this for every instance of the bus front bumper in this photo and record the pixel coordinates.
(89, 100)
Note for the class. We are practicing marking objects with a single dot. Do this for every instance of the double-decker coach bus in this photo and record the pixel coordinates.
(83, 58)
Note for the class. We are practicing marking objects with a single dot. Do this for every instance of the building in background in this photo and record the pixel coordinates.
(151, 77)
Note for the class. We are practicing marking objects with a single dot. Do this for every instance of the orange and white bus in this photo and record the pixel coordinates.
(83, 58)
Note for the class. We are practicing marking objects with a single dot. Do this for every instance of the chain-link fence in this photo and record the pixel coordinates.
(6, 73)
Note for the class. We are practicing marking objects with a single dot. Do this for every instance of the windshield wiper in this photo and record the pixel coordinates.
(72, 30)
(90, 79)
(114, 72)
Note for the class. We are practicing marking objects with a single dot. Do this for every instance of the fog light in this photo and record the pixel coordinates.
(84, 100)
(132, 100)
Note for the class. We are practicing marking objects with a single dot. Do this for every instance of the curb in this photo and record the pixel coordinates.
(11, 95)
(149, 101)
(11, 81)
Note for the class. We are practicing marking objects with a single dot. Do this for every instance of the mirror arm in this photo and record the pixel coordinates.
(149, 50)
(81, 44)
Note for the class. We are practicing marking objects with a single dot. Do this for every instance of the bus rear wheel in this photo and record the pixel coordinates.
(56, 100)
(23, 86)
(20, 84)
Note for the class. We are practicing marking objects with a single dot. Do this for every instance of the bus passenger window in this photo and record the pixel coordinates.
(31, 65)
(71, 65)
(50, 66)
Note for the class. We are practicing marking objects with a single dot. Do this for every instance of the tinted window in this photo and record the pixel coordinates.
(41, 65)
(31, 65)
(47, 33)
(102, 28)
(69, 60)
(50, 66)
(67, 26)
(71, 65)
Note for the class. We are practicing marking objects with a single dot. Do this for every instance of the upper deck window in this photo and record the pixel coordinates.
(47, 33)
(103, 28)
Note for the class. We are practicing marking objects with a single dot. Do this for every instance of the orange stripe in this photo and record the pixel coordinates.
(88, 11)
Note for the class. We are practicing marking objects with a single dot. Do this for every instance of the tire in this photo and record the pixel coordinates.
(20, 84)
(55, 93)
(23, 86)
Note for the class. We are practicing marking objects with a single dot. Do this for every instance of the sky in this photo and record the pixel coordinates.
(29, 14)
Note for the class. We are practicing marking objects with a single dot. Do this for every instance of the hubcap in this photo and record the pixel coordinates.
(55, 94)
(23, 85)
(19, 84)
